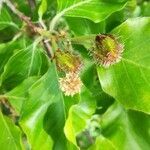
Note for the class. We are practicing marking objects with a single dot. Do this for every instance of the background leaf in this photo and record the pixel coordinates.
(126, 129)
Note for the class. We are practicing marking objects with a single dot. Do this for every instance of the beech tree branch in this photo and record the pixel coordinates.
(21, 16)
(46, 44)
(33, 27)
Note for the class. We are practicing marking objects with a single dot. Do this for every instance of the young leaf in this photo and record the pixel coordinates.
(55, 119)
(128, 81)
(42, 8)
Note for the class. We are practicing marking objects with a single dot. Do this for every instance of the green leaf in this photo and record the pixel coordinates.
(54, 123)
(10, 135)
(5, 20)
(95, 10)
(18, 95)
(56, 116)
(55, 119)
(128, 81)
(145, 9)
(90, 80)
(7, 50)
(45, 63)
(102, 143)
(24, 63)
(86, 26)
(42, 8)
(79, 114)
(126, 129)
(41, 94)
(1, 4)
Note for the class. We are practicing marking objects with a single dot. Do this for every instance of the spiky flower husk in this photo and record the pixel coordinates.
(71, 84)
(67, 61)
(106, 50)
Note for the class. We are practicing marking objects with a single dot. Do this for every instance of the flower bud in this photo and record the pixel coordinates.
(70, 84)
(67, 61)
(107, 50)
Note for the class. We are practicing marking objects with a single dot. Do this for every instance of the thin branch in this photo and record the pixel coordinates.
(37, 29)
(48, 48)
(46, 44)
(21, 16)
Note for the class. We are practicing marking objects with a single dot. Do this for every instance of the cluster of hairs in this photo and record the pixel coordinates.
(107, 50)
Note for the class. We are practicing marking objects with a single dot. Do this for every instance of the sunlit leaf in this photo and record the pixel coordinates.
(41, 95)
(79, 115)
(95, 10)
(102, 143)
(42, 8)
(128, 81)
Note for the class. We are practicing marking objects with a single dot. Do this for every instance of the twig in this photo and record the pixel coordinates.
(21, 16)
(45, 42)
(48, 48)
(8, 109)
(34, 28)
